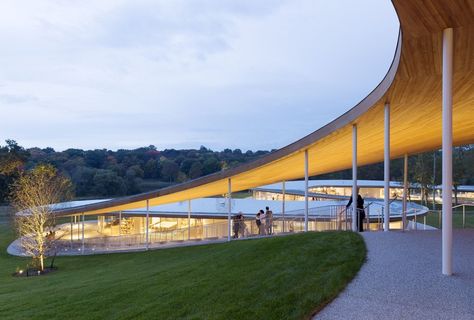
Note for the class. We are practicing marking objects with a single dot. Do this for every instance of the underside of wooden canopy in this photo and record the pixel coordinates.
(412, 86)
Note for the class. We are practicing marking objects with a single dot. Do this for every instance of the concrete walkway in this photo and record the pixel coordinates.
(402, 279)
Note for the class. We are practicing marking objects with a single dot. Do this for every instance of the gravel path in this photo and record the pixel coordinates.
(402, 279)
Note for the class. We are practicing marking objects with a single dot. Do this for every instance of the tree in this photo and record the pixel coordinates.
(169, 170)
(133, 178)
(186, 165)
(152, 169)
(195, 171)
(83, 179)
(108, 183)
(12, 161)
(32, 195)
(423, 174)
(211, 165)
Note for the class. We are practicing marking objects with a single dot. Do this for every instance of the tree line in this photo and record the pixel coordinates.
(107, 173)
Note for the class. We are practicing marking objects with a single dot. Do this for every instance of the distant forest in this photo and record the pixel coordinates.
(106, 173)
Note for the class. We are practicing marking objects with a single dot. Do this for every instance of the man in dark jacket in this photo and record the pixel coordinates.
(360, 210)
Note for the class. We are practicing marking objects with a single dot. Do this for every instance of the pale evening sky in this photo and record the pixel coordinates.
(184, 73)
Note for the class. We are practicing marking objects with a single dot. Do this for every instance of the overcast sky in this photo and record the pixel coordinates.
(185, 73)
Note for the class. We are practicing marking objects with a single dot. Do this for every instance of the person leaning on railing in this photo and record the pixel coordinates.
(360, 210)
(242, 226)
(268, 220)
(235, 226)
(260, 219)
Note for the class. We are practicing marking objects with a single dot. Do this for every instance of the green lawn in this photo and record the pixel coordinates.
(279, 278)
(432, 218)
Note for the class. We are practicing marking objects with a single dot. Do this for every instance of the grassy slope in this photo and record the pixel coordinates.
(279, 278)
(432, 218)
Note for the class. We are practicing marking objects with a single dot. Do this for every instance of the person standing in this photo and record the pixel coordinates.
(235, 226)
(257, 221)
(242, 225)
(269, 220)
(263, 229)
(360, 214)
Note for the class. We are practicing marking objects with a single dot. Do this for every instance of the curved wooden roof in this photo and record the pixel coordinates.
(412, 85)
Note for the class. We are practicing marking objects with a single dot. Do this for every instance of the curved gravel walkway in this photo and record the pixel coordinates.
(402, 279)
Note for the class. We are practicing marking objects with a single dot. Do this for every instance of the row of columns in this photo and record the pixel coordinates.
(447, 166)
(447, 145)
(446, 169)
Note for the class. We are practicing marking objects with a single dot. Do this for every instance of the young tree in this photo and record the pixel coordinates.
(423, 174)
(32, 195)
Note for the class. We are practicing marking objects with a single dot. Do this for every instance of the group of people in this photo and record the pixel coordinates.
(264, 221)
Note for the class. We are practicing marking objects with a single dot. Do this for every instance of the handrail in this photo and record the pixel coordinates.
(463, 205)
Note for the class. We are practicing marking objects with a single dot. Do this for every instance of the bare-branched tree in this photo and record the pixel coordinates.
(32, 195)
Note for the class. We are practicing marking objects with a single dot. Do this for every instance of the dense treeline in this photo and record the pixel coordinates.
(106, 173)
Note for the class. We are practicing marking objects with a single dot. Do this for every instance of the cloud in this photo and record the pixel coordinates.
(15, 99)
(118, 73)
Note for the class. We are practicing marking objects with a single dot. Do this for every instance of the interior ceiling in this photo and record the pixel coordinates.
(412, 86)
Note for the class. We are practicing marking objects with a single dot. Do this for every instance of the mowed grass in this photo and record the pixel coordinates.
(279, 278)
(432, 218)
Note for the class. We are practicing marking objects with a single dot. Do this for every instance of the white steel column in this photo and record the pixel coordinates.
(147, 222)
(386, 167)
(306, 206)
(283, 203)
(434, 180)
(229, 207)
(354, 178)
(72, 226)
(189, 219)
(83, 218)
(405, 192)
(120, 223)
(447, 228)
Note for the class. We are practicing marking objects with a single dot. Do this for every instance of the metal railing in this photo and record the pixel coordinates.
(327, 218)
(331, 217)
(466, 216)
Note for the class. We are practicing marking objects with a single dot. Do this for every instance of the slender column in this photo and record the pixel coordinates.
(434, 180)
(229, 207)
(447, 228)
(405, 192)
(72, 226)
(354, 178)
(83, 220)
(306, 206)
(386, 166)
(120, 223)
(283, 203)
(189, 219)
(147, 222)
